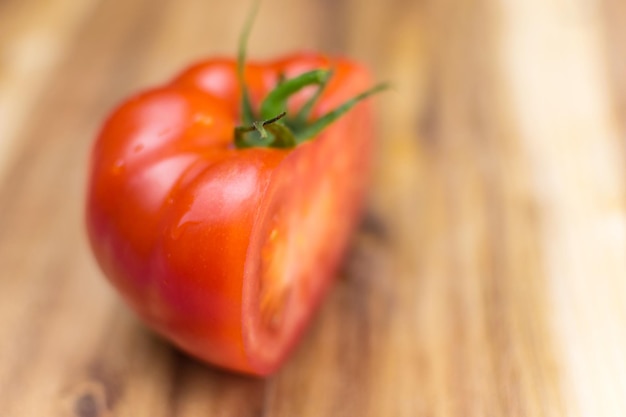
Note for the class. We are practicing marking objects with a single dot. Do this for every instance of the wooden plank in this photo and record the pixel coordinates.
(31, 45)
(56, 361)
(569, 133)
(473, 242)
(486, 277)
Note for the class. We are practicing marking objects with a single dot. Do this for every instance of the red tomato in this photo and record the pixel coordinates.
(226, 251)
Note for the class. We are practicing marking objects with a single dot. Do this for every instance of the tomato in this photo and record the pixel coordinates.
(227, 250)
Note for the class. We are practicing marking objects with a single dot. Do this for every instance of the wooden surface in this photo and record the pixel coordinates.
(488, 277)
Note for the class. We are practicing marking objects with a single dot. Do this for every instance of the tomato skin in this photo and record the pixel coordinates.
(179, 219)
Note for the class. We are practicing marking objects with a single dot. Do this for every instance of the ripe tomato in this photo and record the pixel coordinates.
(227, 250)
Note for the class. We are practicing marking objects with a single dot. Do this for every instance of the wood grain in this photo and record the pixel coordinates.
(486, 279)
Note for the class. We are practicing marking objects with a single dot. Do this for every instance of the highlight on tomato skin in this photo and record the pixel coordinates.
(227, 249)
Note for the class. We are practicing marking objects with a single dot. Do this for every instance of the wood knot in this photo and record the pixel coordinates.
(373, 225)
(87, 399)
(87, 406)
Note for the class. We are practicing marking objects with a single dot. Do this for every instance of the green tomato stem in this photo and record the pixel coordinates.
(283, 136)
(272, 132)
(305, 112)
(323, 122)
(247, 114)
(276, 100)
(261, 127)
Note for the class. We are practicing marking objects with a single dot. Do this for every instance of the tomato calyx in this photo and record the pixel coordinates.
(283, 131)
(274, 128)
(282, 137)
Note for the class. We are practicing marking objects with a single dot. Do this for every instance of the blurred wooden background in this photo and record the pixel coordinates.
(488, 277)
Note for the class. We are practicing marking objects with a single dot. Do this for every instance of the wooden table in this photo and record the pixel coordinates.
(488, 277)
